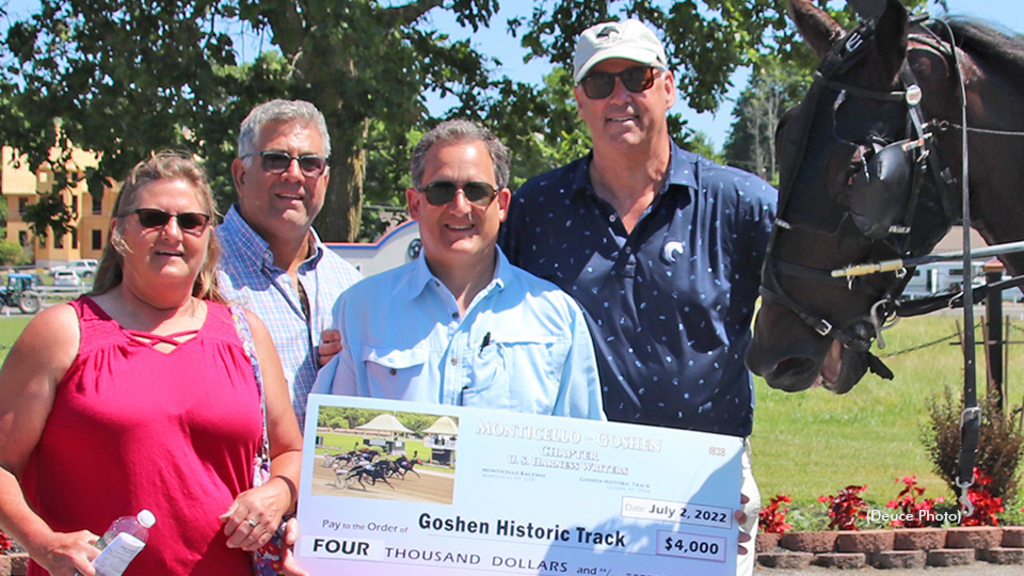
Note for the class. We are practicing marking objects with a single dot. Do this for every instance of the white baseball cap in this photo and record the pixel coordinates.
(631, 40)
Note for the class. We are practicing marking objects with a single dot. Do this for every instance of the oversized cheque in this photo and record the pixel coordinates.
(520, 494)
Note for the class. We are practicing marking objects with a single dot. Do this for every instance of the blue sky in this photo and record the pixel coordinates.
(496, 41)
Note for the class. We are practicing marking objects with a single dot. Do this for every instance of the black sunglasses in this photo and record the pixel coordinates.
(441, 193)
(156, 218)
(277, 162)
(601, 84)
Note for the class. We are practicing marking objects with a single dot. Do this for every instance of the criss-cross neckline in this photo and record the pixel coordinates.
(152, 340)
(148, 339)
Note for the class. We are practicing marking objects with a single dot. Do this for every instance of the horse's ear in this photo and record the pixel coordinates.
(891, 38)
(818, 29)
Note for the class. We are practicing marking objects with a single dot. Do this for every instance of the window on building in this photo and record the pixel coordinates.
(23, 238)
(22, 204)
(74, 239)
(97, 239)
(74, 203)
(97, 203)
(58, 241)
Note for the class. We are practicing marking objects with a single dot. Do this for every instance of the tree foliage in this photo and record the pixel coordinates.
(344, 417)
(129, 77)
(12, 253)
(774, 87)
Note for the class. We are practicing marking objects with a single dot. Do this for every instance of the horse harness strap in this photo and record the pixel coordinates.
(911, 308)
(858, 92)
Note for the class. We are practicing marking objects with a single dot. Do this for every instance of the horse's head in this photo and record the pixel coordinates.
(853, 178)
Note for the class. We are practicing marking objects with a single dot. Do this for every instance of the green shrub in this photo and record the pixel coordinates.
(13, 253)
(999, 446)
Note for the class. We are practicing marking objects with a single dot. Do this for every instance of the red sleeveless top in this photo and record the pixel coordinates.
(133, 427)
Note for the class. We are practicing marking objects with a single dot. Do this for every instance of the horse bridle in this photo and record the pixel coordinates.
(970, 419)
(920, 151)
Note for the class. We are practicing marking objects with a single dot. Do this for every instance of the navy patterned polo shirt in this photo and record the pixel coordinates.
(670, 304)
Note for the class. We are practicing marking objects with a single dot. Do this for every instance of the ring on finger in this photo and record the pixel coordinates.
(251, 522)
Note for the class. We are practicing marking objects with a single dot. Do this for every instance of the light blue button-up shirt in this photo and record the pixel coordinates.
(249, 279)
(523, 344)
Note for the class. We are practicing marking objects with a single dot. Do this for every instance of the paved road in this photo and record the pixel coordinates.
(976, 569)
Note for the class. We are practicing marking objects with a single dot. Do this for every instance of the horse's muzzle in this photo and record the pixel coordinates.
(800, 364)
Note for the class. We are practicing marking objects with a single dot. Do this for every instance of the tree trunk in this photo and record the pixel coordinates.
(343, 206)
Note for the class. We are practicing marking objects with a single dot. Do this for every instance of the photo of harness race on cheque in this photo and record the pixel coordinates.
(363, 453)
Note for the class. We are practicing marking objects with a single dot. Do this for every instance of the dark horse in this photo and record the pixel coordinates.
(403, 466)
(871, 169)
(376, 471)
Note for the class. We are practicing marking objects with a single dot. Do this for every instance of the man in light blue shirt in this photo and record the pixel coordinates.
(273, 262)
(461, 325)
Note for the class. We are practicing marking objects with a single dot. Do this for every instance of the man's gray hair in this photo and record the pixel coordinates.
(455, 131)
(280, 110)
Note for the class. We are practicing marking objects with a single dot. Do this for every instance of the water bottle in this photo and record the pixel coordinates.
(122, 542)
(137, 526)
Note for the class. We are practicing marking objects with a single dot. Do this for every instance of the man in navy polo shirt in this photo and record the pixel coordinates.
(661, 247)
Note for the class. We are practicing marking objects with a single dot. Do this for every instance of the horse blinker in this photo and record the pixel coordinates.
(879, 193)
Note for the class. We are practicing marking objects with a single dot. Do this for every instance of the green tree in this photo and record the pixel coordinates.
(702, 144)
(12, 253)
(128, 77)
(774, 87)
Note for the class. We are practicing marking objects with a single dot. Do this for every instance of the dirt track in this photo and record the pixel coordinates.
(429, 486)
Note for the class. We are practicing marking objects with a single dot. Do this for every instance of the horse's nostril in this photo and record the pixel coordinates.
(794, 367)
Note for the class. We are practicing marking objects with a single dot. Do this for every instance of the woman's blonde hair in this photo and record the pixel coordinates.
(164, 165)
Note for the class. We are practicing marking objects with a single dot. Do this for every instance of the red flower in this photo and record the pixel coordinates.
(772, 520)
(916, 513)
(986, 506)
(846, 507)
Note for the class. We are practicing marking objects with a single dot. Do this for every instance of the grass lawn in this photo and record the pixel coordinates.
(10, 328)
(339, 442)
(812, 443)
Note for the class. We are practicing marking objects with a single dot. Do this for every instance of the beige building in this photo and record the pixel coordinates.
(22, 188)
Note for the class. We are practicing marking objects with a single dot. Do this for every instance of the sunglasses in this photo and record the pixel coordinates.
(155, 218)
(601, 84)
(277, 162)
(441, 193)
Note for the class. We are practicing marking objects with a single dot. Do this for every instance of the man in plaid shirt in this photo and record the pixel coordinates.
(273, 262)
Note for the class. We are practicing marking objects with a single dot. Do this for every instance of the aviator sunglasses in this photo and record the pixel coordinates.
(276, 162)
(156, 218)
(441, 193)
(601, 84)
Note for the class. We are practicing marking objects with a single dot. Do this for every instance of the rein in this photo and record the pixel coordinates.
(970, 417)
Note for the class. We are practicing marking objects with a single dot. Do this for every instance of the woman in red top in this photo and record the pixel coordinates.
(141, 395)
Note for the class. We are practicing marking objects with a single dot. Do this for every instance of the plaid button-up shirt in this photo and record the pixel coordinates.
(249, 278)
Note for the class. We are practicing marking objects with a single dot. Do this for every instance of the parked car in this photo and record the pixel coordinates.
(66, 278)
(85, 268)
